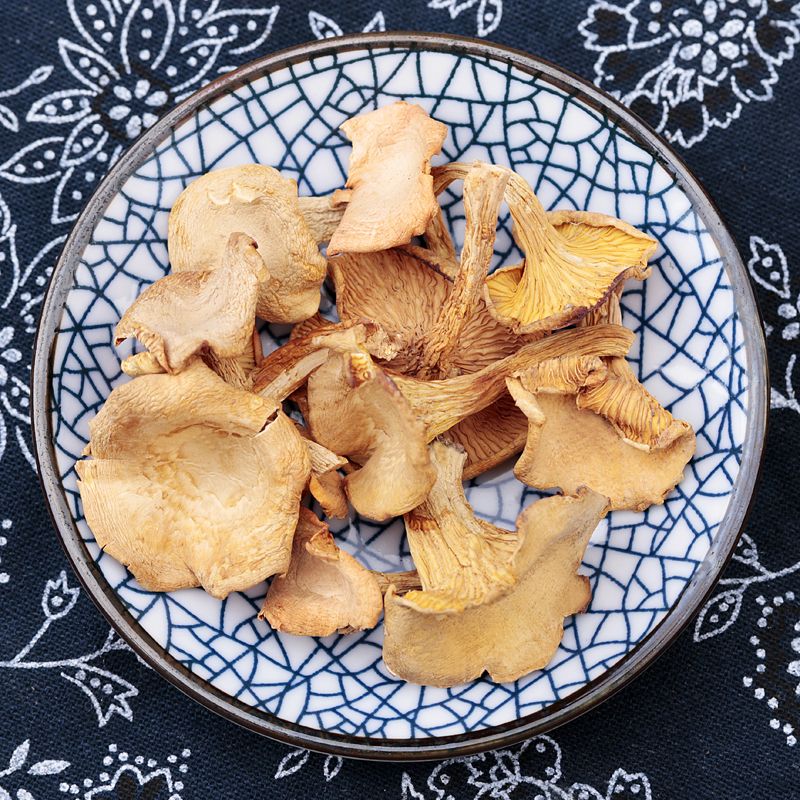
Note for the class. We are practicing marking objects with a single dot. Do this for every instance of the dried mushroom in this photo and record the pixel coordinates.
(391, 198)
(356, 410)
(325, 482)
(609, 434)
(192, 482)
(445, 643)
(184, 314)
(259, 201)
(573, 260)
(325, 590)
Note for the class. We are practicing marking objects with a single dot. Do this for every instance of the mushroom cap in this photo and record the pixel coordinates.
(517, 631)
(569, 446)
(181, 315)
(259, 201)
(404, 295)
(193, 482)
(356, 410)
(392, 196)
(325, 590)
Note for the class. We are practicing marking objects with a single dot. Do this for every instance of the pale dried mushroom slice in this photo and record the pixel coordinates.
(182, 315)
(325, 482)
(286, 368)
(461, 560)
(322, 215)
(517, 632)
(355, 410)
(259, 201)
(405, 296)
(193, 483)
(568, 447)
(391, 198)
(144, 363)
(325, 590)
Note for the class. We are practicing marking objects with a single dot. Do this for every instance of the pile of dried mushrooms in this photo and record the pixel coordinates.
(436, 371)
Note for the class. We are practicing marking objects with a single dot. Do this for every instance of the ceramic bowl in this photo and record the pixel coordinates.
(699, 348)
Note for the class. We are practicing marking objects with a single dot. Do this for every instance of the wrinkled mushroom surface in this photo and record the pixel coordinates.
(258, 201)
(519, 630)
(187, 313)
(391, 198)
(356, 410)
(325, 590)
(192, 482)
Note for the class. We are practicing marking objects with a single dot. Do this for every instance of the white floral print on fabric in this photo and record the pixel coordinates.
(769, 268)
(127, 64)
(326, 28)
(688, 66)
(488, 13)
(23, 772)
(108, 693)
(533, 767)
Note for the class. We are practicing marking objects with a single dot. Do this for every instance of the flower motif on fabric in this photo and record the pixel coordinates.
(296, 760)
(488, 13)
(23, 772)
(534, 767)
(744, 572)
(108, 692)
(687, 66)
(327, 28)
(133, 777)
(775, 680)
(130, 61)
(780, 305)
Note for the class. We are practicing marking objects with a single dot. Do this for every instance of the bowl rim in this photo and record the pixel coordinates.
(692, 597)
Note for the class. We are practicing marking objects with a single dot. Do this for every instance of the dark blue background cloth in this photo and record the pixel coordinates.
(718, 716)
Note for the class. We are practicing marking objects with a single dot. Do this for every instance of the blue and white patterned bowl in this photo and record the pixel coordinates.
(699, 349)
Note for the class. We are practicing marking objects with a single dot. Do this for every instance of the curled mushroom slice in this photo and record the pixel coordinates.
(325, 590)
(392, 196)
(184, 314)
(610, 435)
(356, 410)
(445, 643)
(440, 404)
(260, 202)
(193, 482)
(322, 215)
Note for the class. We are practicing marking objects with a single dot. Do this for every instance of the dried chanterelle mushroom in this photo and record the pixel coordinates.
(573, 261)
(325, 590)
(193, 483)
(187, 313)
(599, 427)
(259, 201)
(492, 600)
(391, 195)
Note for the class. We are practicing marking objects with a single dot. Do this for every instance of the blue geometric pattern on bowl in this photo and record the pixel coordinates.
(688, 352)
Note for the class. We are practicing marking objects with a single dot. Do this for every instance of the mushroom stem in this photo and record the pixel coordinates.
(484, 186)
(441, 404)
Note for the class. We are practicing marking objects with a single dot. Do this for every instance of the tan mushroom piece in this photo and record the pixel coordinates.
(499, 598)
(391, 198)
(573, 260)
(325, 483)
(259, 201)
(192, 482)
(609, 434)
(182, 315)
(325, 590)
(355, 410)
